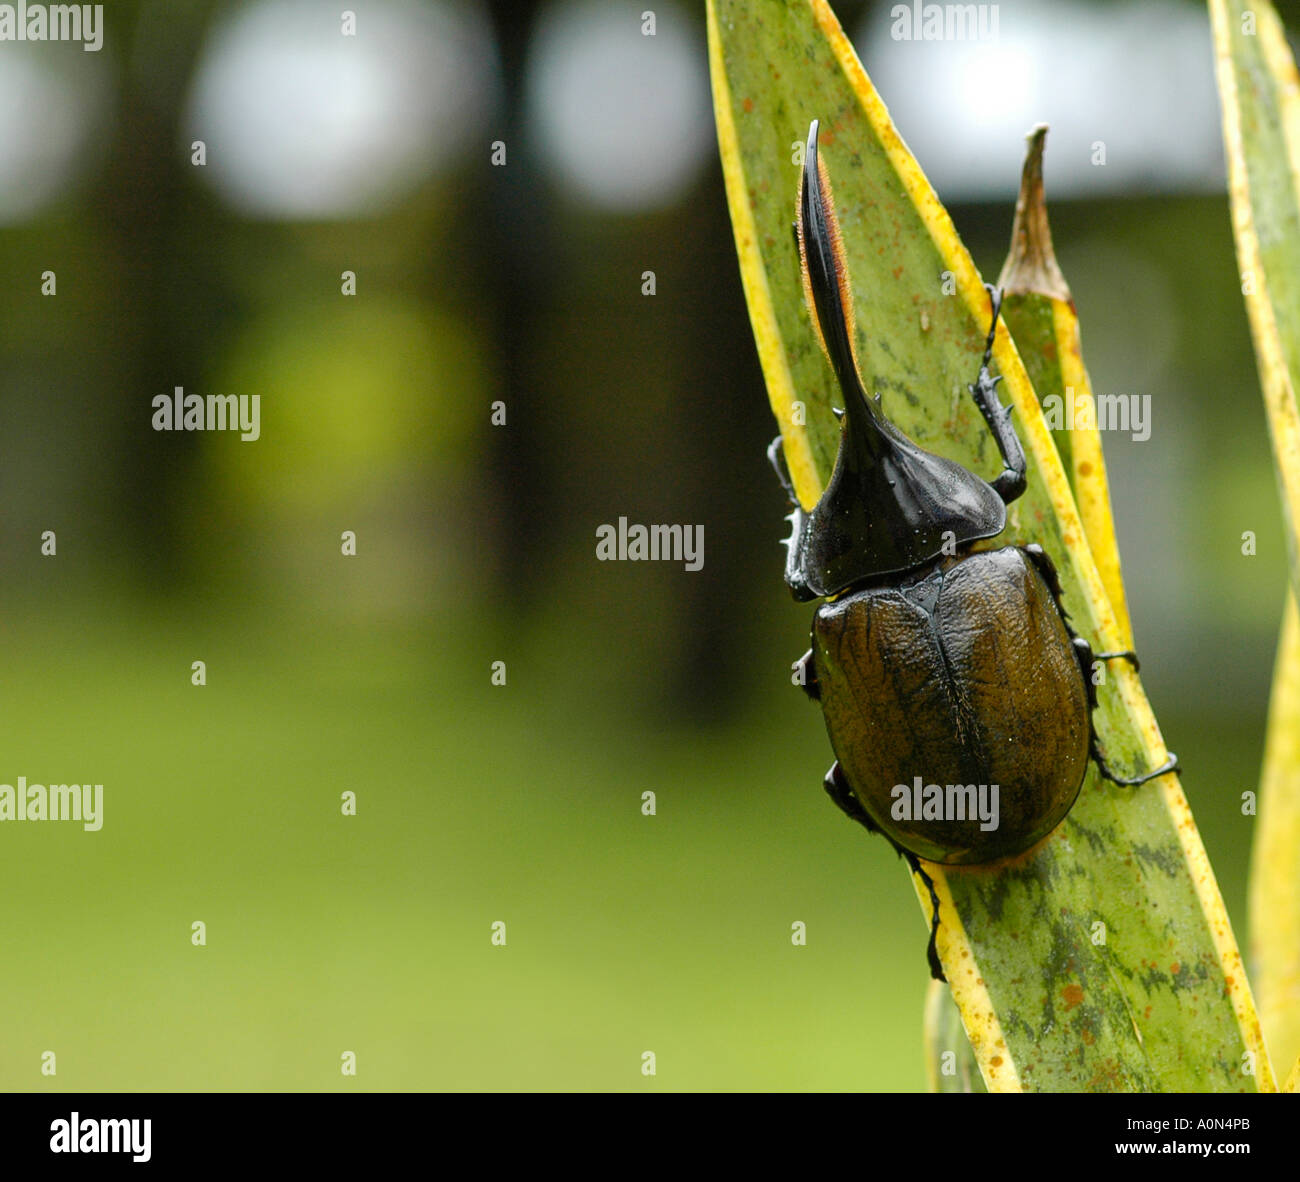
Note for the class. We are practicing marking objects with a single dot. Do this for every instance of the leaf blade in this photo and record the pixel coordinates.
(1260, 96)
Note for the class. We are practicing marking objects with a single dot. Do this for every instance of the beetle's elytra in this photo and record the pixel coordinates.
(957, 699)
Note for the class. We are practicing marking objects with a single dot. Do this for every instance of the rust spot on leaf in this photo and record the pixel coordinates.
(1085, 468)
(1073, 995)
(749, 105)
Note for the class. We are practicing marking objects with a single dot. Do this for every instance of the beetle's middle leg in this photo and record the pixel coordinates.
(808, 676)
(1126, 654)
(1047, 568)
(1010, 483)
(837, 788)
(1087, 658)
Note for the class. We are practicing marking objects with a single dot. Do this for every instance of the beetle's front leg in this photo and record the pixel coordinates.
(1010, 483)
(794, 544)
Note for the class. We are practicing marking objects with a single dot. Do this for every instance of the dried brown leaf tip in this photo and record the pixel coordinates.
(1031, 264)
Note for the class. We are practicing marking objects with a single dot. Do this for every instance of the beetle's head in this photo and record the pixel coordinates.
(889, 505)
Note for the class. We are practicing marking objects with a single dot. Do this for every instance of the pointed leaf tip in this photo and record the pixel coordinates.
(1031, 265)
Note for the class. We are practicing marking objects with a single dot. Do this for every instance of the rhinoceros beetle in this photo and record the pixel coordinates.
(948, 675)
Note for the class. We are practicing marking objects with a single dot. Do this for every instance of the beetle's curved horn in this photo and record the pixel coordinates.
(825, 275)
(889, 504)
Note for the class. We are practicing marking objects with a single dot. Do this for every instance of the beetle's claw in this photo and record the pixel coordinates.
(1170, 765)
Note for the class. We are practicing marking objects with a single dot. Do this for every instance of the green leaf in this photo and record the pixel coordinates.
(1260, 94)
(1102, 959)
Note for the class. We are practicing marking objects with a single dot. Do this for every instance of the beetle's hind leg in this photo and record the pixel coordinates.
(1010, 483)
(837, 788)
(932, 946)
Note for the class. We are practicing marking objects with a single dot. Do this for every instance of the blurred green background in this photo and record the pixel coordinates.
(522, 283)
